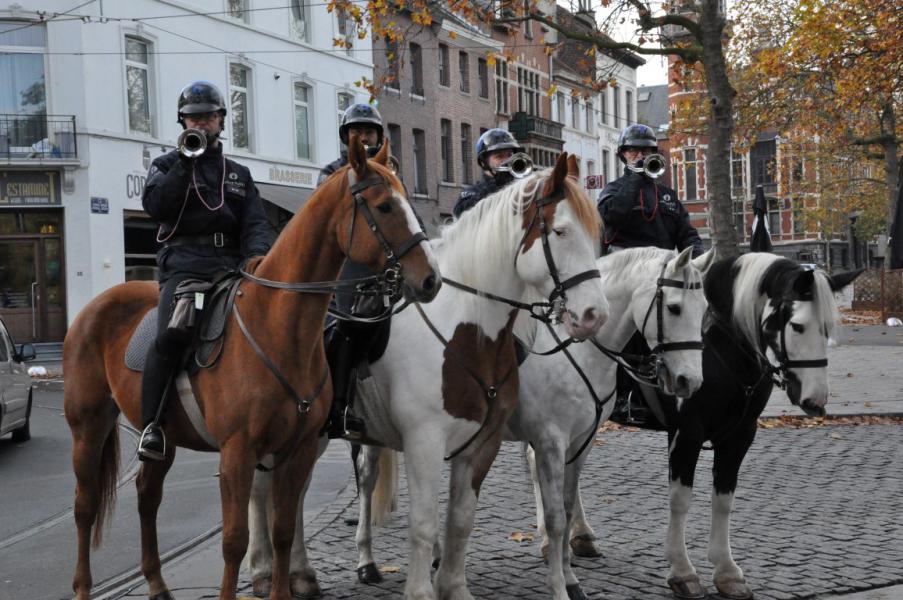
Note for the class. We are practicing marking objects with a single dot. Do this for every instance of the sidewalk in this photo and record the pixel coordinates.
(816, 514)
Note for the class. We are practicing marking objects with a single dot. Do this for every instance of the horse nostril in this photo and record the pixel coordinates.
(589, 315)
(429, 284)
(683, 384)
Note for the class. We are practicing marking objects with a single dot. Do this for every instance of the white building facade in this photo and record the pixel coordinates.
(93, 101)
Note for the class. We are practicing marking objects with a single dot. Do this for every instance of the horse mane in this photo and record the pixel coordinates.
(761, 274)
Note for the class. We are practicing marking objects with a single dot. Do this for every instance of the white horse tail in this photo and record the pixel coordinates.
(385, 492)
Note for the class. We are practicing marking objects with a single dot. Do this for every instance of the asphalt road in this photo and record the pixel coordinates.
(37, 488)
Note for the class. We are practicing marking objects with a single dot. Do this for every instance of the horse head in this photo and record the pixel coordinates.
(557, 250)
(669, 312)
(797, 321)
(378, 227)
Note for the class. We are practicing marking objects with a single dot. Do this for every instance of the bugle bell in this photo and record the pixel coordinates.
(652, 166)
(519, 165)
(192, 143)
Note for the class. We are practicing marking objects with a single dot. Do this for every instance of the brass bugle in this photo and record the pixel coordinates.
(192, 143)
(519, 165)
(652, 166)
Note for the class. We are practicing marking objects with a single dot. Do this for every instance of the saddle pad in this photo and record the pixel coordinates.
(144, 336)
(370, 406)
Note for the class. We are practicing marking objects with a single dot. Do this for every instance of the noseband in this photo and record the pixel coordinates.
(781, 372)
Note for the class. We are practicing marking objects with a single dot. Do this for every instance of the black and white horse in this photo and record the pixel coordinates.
(768, 324)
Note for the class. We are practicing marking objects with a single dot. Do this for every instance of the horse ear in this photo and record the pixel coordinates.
(704, 261)
(842, 280)
(803, 283)
(556, 180)
(357, 156)
(683, 259)
(573, 167)
(382, 157)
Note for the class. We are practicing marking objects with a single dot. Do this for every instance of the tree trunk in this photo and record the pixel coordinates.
(721, 126)
(891, 170)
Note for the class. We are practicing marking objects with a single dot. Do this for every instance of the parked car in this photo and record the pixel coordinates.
(15, 388)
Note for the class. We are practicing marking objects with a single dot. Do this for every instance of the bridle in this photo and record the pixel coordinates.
(781, 372)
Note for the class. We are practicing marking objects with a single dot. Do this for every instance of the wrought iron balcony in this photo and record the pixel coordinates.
(525, 126)
(38, 136)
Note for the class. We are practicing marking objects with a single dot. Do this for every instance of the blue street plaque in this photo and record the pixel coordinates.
(100, 205)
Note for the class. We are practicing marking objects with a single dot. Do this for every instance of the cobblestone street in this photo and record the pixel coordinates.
(817, 513)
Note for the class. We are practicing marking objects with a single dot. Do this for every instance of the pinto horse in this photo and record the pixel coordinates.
(768, 324)
(448, 380)
(250, 409)
(565, 396)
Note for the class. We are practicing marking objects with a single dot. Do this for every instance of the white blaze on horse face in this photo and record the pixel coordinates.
(809, 344)
(414, 226)
(572, 251)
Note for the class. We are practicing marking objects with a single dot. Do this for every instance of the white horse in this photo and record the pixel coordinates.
(650, 290)
(452, 396)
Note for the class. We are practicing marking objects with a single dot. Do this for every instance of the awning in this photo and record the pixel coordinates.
(284, 196)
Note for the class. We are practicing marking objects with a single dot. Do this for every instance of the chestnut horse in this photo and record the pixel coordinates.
(247, 410)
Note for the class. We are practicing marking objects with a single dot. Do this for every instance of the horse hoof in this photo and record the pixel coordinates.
(369, 574)
(162, 596)
(261, 587)
(733, 589)
(305, 587)
(687, 588)
(583, 546)
(574, 592)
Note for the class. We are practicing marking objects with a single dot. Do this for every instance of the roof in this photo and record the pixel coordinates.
(652, 108)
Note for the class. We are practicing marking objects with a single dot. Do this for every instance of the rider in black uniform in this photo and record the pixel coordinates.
(494, 147)
(638, 211)
(211, 219)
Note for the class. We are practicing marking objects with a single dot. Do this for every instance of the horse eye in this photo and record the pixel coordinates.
(674, 309)
(797, 327)
(560, 231)
(385, 207)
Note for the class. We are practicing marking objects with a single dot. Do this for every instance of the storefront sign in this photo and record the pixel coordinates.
(134, 185)
(594, 182)
(29, 188)
(100, 206)
(278, 175)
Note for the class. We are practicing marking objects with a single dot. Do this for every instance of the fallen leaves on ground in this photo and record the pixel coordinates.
(860, 317)
(798, 422)
(389, 569)
(519, 537)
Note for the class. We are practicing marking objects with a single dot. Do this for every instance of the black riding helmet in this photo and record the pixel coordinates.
(361, 114)
(636, 136)
(492, 140)
(200, 97)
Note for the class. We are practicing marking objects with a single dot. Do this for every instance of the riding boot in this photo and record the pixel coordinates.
(339, 355)
(159, 369)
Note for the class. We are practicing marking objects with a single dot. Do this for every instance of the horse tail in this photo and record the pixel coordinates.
(385, 493)
(109, 477)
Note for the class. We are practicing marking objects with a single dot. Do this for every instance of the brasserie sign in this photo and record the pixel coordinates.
(29, 188)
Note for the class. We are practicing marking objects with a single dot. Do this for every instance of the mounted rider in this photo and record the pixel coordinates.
(367, 122)
(211, 219)
(494, 148)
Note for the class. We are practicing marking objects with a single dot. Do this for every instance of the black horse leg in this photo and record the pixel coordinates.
(683, 452)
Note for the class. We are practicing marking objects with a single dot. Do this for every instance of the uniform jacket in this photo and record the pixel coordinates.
(332, 167)
(659, 220)
(240, 218)
(474, 193)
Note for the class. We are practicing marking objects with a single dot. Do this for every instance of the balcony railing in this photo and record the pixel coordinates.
(524, 125)
(37, 136)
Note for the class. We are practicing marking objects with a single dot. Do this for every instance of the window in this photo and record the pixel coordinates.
(762, 166)
(690, 174)
(466, 158)
(419, 162)
(559, 102)
(575, 113)
(302, 121)
(239, 95)
(137, 80)
(483, 74)
(395, 143)
(464, 69)
(443, 66)
(416, 70)
(628, 106)
(615, 108)
(606, 162)
(343, 101)
(448, 168)
(738, 177)
(740, 221)
(674, 174)
(799, 217)
(590, 168)
(393, 65)
(238, 9)
(528, 91)
(603, 107)
(300, 17)
(528, 24)
(501, 87)
(590, 117)
(345, 28)
(22, 71)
